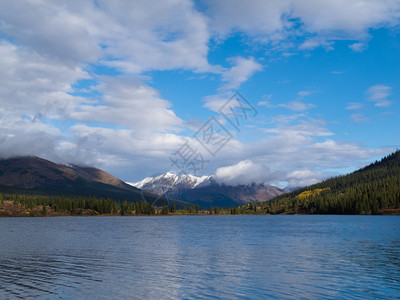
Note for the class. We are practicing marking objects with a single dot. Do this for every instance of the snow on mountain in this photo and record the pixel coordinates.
(205, 190)
(170, 184)
(141, 183)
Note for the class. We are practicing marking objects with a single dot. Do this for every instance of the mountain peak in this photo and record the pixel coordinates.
(32, 172)
(169, 183)
(205, 190)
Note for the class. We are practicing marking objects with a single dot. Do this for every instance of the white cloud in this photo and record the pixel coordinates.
(156, 35)
(340, 151)
(33, 83)
(122, 151)
(126, 141)
(293, 156)
(128, 102)
(297, 105)
(383, 103)
(132, 36)
(286, 151)
(357, 47)
(378, 94)
(215, 102)
(21, 136)
(286, 119)
(242, 70)
(324, 21)
(305, 93)
(345, 19)
(64, 30)
(253, 17)
(127, 152)
(300, 178)
(239, 73)
(52, 44)
(264, 103)
(353, 106)
(315, 42)
(304, 129)
(46, 47)
(358, 118)
(244, 172)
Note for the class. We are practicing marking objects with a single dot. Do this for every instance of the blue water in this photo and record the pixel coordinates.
(230, 257)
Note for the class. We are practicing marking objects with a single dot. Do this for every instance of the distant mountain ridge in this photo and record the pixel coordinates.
(35, 172)
(31, 174)
(206, 191)
(170, 184)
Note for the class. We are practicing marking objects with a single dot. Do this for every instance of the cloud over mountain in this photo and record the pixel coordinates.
(90, 81)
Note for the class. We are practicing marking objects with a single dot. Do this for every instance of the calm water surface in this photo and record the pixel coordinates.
(229, 257)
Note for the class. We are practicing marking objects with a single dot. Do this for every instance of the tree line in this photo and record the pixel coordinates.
(79, 205)
(75, 206)
(374, 189)
(370, 190)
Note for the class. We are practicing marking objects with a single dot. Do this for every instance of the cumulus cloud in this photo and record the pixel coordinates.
(295, 154)
(215, 102)
(315, 42)
(23, 136)
(68, 32)
(241, 71)
(132, 36)
(254, 18)
(244, 172)
(357, 47)
(156, 35)
(37, 89)
(125, 151)
(294, 158)
(300, 178)
(33, 83)
(233, 78)
(136, 104)
(47, 48)
(272, 21)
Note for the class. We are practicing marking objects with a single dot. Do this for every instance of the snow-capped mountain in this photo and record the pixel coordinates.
(171, 185)
(206, 191)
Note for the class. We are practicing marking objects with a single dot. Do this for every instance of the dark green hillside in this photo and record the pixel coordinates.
(374, 189)
(36, 176)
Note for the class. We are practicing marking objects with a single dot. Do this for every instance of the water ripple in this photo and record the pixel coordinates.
(243, 257)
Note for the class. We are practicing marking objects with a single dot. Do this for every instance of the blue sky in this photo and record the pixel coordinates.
(122, 86)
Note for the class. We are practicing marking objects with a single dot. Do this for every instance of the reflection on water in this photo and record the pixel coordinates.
(315, 257)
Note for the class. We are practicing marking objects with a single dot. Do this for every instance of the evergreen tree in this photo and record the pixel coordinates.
(164, 210)
(44, 210)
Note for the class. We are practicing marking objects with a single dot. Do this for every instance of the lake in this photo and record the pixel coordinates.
(197, 257)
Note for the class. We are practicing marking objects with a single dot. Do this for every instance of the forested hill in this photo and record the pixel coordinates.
(374, 189)
(30, 175)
